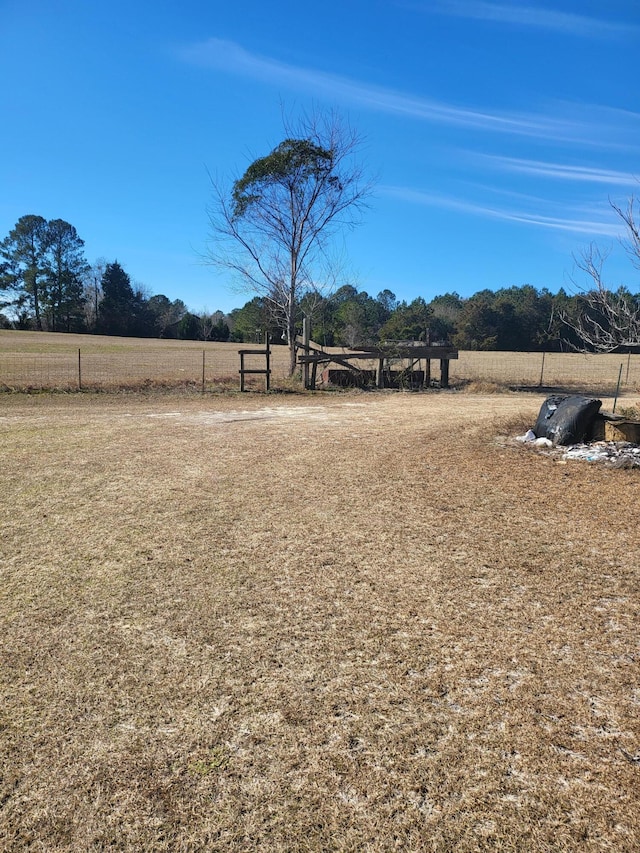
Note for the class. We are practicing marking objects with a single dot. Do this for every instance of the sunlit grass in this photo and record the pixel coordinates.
(312, 623)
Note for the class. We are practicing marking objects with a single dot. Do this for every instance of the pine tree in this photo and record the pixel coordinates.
(63, 297)
(117, 312)
(23, 270)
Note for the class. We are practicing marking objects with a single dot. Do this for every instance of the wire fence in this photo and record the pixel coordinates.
(550, 370)
(85, 368)
(42, 364)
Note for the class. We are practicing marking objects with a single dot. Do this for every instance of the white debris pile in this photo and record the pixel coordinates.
(530, 438)
(615, 454)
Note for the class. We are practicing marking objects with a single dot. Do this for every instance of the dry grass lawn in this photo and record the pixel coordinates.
(348, 622)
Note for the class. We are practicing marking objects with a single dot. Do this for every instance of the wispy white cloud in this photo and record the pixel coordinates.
(537, 16)
(579, 224)
(561, 171)
(565, 126)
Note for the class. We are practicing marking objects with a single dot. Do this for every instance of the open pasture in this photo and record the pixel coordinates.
(344, 622)
(46, 360)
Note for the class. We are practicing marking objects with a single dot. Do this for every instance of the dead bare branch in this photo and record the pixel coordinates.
(607, 320)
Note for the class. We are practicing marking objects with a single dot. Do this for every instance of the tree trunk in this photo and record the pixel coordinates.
(291, 334)
(291, 318)
(36, 305)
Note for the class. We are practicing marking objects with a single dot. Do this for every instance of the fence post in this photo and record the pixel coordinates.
(305, 340)
(268, 355)
(203, 371)
(615, 399)
(79, 371)
(542, 370)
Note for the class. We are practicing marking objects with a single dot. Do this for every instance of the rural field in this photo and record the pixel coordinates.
(330, 622)
(33, 360)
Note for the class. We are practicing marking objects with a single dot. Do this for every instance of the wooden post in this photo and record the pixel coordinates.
(380, 376)
(444, 372)
(427, 373)
(203, 371)
(305, 341)
(268, 357)
(79, 371)
(541, 370)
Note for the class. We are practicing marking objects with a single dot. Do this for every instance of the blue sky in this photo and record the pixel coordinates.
(498, 131)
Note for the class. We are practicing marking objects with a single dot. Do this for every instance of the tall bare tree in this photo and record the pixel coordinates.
(607, 319)
(275, 227)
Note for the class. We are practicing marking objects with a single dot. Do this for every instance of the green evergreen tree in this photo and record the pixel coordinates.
(479, 323)
(63, 296)
(118, 309)
(166, 315)
(410, 322)
(190, 327)
(23, 256)
(446, 310)
(357, 318)
(251, 322)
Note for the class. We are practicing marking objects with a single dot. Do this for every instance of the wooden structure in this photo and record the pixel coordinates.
(265, 371)
(407, 353)
(610, 427)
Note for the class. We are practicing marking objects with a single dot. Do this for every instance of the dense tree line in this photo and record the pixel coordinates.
(514, 318)
(47, 284)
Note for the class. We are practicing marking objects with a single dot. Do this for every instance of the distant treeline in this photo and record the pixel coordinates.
(47, 284)
(510, 319)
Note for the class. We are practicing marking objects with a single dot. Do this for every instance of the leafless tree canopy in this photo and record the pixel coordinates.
(275, 227)
(608, 320)
(632, 241)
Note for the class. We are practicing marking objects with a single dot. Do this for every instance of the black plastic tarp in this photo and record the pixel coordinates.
(566, 419)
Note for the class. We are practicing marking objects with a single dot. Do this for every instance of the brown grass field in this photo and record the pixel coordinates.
(331, 622)
(44, 360)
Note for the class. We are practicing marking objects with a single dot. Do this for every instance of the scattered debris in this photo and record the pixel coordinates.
(573, 428)
(615, 454)
(530, 438)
